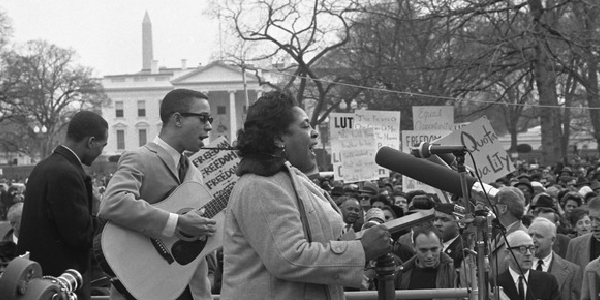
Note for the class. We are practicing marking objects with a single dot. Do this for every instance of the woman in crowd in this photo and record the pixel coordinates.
(580, 222)
(281, 230)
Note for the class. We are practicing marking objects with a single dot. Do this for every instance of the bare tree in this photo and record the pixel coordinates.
(42, 87)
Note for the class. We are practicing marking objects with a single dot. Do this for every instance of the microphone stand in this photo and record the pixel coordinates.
(473, 258)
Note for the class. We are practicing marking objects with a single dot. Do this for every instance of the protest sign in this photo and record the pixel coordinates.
(217, 167)
(433, 117)
(481, 140)
(340, 124)
(411, 138)
(358, 155)
(386, 130)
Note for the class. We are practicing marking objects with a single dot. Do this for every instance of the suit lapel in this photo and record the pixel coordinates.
(166, 158)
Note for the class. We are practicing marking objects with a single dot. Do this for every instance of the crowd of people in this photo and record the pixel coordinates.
(284, 221)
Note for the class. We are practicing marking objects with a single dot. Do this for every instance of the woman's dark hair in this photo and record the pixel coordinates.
(576, 215)
(268, 118)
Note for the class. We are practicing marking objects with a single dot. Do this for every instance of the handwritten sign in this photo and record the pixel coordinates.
(433, 117)
(358, 153)
(411, 138)
(386, 129)
(481, 140)
(217, 167)
(341, 124)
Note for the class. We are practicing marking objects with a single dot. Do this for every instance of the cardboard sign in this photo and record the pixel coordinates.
(492, 161)
(218, 167)
(358, 153)
(433, 117)
(411, 138)
(340, 125)
(386, 130)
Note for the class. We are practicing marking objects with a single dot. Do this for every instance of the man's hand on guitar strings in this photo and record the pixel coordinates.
(192, 223)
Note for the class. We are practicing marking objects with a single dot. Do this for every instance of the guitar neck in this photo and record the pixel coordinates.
(405, 222)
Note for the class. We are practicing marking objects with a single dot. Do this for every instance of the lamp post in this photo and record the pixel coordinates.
(40, 132)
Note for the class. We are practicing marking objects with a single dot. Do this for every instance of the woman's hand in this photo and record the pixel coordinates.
(376, 241)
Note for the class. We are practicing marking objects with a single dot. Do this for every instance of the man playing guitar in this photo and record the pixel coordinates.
(149, 174)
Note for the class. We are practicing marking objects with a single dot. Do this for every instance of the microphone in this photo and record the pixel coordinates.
(430, 173)
(424, 150)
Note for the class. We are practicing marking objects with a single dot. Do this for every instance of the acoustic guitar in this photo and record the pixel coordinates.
(161, 268)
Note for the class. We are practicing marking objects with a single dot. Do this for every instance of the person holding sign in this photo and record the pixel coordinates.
(282, 230)
(148, 174)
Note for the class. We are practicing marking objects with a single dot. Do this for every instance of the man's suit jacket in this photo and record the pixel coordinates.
(455, 251)
(568, 276)
(147, 175)
(541, 284)
(57, 227)
(578, 251)
(498, 254)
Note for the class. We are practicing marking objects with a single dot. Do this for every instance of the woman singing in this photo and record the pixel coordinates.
(282, 230)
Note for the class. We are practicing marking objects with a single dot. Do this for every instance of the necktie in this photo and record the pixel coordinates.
(521, 289)
(540, 264)
(183, 166)
(347, 227)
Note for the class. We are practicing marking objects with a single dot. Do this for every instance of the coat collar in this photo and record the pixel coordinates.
(69, 155)
(166, 158)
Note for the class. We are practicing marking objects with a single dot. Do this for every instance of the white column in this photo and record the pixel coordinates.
(232, 117)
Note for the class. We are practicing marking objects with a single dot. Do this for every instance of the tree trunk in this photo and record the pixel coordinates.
(546, 84)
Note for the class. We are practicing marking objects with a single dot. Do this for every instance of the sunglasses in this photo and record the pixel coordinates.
(204, 118)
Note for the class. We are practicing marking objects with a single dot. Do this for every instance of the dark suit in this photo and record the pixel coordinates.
(541, 284)
(568, 276)
(57, 227)
(455, 251)
(561, 244)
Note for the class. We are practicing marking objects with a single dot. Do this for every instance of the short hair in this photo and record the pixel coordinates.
(510, 238)
(577, 214)
(178, 100)
(267, 120)
(16, 208)
(380, 198)
(389, 208)
(426, 229)
(344, 199)
(545, 222)
(514, 200)
(575, 196)
(85, 124)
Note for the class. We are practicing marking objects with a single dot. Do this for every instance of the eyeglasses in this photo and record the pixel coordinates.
(204, 118)
(523, 249)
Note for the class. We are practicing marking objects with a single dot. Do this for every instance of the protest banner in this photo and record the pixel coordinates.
(358, 153)
(386, 130)
(217, 167)
(340, 124)
(412, 138)
(480, 139)
(433, 117)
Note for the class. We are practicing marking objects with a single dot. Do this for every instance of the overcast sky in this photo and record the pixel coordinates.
(107, 34)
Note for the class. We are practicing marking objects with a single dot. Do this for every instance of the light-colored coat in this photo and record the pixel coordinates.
(578, 251)
(568, 276)
(591, 278)
(146, 176)
(266, 253)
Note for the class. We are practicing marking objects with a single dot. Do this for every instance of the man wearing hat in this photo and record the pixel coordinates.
(365, 193)
(544, 207)
(525, 186)
(445, 222)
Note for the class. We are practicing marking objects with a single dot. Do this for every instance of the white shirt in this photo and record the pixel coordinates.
(171, 225)
(547, 260)
(515, 277)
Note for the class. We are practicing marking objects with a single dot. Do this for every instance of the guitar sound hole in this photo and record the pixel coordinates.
(186, 252)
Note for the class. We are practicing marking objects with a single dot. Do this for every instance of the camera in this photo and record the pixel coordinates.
(23, 280)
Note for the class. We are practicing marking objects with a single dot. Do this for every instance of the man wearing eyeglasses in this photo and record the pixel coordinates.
(519, 282)
(148, 174)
